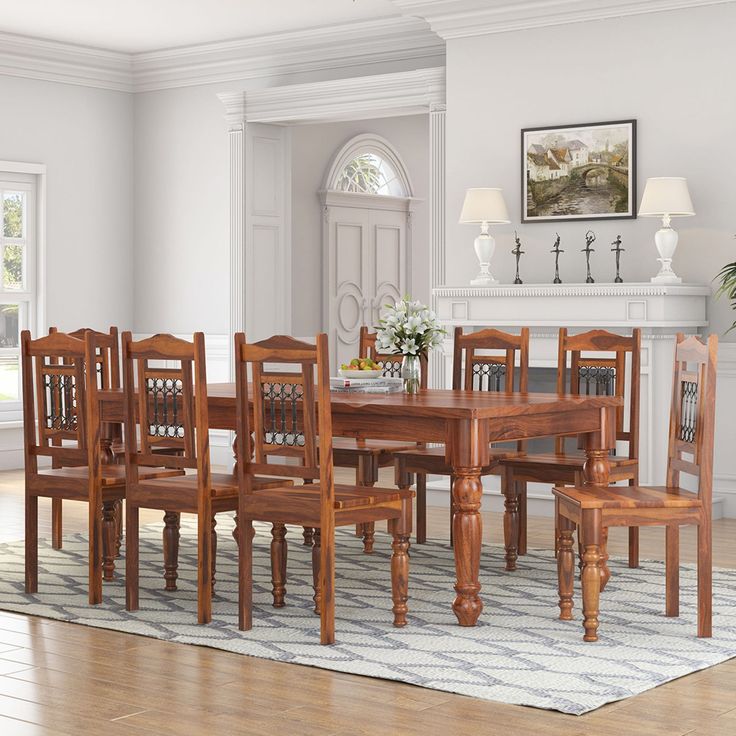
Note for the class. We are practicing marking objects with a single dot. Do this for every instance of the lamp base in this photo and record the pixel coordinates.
(484, 246)
(666, 241)
(483, 280)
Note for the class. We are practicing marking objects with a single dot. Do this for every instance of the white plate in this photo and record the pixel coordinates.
(361, 374)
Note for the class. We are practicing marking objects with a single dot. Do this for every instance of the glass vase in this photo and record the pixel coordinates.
(411, 372)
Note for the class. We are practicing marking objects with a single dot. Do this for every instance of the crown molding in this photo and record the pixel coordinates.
(279, 55)
(35, 58)
(380, 95)
(272, 56)
(462, 18)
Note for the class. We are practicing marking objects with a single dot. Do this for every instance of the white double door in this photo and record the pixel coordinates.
(366, 248)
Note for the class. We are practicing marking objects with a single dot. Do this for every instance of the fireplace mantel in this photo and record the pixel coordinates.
(661, 311)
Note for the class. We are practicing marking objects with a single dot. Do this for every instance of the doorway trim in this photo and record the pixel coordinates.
(421, 91)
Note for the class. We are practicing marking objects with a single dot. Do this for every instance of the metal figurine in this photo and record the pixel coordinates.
(617, 250)
(556, 250)
(589, 240)
(517, 252)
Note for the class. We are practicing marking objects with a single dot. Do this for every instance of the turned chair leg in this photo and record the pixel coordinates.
(278, 564)
(118, 526)
(521, 495)
(591, 576)
(316, 562)
(31, 543)
(308, 532)
(131, 557)
(56, 523)
(705, 577)
(672, 570)
(605, 571)
(452, 511)
(172, 520)
(109, 540)
(399, 571)
(565, 567)
(366, 475)
(510, 518)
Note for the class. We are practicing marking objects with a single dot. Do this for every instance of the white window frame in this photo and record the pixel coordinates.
(28, 176)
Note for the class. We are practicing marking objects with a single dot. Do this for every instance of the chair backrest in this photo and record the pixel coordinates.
(165, 386)
(61, 417)
(692, 416)
(598, 366)
(390, 362)
(494, 370)
(107, 356)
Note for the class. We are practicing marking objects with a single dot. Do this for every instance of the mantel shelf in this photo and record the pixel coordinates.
(581, 289)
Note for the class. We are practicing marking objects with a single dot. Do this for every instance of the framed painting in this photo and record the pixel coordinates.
(579, 172)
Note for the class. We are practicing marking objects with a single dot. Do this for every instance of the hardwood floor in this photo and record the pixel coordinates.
(59, 678)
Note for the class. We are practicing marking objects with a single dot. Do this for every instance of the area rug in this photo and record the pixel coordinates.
(520, 653)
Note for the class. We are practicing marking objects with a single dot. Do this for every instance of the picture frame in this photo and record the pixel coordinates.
(583, 171)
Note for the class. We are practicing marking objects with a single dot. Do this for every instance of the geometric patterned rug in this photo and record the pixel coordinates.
(520, 652)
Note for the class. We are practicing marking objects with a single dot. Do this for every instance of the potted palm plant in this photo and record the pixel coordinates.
(727, 277)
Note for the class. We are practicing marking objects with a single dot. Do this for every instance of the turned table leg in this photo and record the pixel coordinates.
(592, 572)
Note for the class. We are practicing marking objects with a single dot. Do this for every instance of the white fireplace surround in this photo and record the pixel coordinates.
(661, 311)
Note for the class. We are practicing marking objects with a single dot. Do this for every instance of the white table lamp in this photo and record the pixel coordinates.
(485, 206)
(666, 197)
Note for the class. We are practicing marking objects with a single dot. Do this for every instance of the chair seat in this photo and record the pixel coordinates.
(222, 484)
(569, 461)
(628, 497)
(368, 447)
(112, 475)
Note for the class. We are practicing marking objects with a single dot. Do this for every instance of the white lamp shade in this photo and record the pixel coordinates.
(666, 195)
(484, 205)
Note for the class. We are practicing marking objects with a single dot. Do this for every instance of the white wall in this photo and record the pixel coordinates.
(85, 138)
(313, 148)
(671, 71)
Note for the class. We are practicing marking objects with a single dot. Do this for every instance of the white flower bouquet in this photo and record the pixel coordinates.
(408, 327)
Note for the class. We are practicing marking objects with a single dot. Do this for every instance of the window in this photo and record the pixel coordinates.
(17, 280)
(368, 173)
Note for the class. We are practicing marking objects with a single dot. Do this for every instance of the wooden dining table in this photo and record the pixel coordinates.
(467, 422)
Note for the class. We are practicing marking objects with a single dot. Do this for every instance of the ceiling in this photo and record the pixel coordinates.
(134, 26)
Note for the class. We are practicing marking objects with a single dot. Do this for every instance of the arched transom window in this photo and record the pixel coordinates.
(368, 165)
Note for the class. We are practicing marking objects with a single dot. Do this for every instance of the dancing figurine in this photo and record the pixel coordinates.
(556, 250)
(589, 240)
(617, 250)
(517, 252)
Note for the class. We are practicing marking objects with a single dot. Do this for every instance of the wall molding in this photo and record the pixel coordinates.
(451, 19)
(375, 96)
(271, 56)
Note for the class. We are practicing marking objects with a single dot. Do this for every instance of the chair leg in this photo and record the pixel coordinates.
(308, 532)
(172, 520)
(327, 590)
(399, 572)
(565, 567)
(705, 577)
(31, 541)
(591, 576)
(672, 570)
(109, 540)
(452, 511)
(557, 528)
(278, 564)
(118, 526)
(366, 475)
(510, 518)
(56, 523)
(131, 556)
(521, 496)
(633, 546)
(421, 508)
(214, 551)
(204, 565)
(95, 548)
(316, 561)
(605, 571)
(245, 574)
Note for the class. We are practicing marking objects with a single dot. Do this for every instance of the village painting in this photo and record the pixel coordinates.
(579, 172)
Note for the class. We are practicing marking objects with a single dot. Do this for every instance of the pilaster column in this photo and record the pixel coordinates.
(437, 115)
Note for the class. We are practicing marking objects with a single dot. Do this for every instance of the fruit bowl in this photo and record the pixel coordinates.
(357, 373)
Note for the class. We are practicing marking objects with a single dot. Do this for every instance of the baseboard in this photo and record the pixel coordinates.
(541, 502)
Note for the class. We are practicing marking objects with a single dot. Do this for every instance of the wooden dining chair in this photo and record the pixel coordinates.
(107, 372)
(592, 509)
(62, 422)
(599, 363)
(368, 456)
(166, 406)
(482, 361)
(290, 435)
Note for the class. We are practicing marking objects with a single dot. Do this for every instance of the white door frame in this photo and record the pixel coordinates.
(384, 95)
